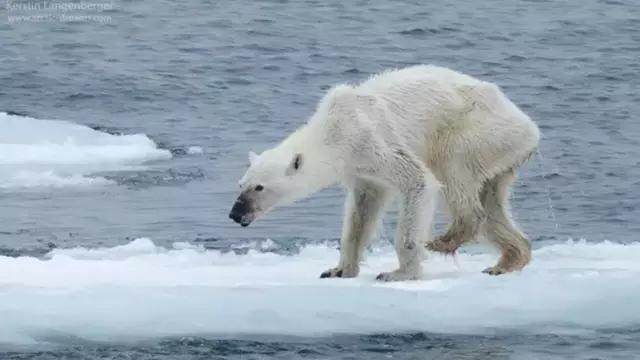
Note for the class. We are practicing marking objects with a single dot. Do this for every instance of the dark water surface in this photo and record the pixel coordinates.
(613, 345)
(235, 76)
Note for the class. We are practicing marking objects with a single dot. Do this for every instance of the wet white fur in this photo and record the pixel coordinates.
(406, 134)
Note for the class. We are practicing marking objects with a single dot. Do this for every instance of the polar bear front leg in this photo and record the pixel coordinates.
(363, 209)
(416, 214)
(417, 207)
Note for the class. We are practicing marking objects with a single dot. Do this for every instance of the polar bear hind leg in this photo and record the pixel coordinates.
(485, 212)
(467, 215)
(476, 163)
(499, 228)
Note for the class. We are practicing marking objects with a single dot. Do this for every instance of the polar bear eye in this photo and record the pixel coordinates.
(259, 188)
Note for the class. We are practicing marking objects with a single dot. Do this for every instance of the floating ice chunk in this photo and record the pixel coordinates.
(195, 150)
(53, 153)
(142, 290)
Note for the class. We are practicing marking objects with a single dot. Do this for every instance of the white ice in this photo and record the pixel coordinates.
(54, 153)
(140, 290)
(195, 150)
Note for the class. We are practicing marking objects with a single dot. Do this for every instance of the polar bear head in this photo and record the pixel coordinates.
(278, 176)
(308, 160)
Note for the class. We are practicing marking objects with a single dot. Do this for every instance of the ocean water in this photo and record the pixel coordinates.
(121, 142)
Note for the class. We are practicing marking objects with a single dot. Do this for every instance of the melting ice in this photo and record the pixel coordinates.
(140, 290)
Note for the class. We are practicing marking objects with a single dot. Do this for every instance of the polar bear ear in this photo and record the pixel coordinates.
(295, 165)
(252, 157)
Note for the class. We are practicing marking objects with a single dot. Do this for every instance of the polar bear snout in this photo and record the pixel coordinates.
(242, 211)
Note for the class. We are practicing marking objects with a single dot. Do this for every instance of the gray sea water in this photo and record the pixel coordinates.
(231, 77)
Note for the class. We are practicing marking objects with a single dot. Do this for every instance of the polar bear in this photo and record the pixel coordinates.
(405, 134)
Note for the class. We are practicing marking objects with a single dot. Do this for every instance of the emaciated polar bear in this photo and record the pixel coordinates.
(406, 134)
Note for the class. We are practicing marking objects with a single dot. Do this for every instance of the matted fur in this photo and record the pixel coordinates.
(408, 134)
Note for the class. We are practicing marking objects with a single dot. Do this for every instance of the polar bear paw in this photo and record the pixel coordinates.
(495, 270)
(398, 275)
(443, 244)
(341, 272)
